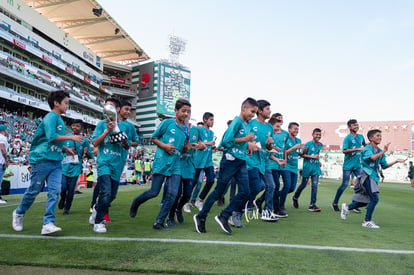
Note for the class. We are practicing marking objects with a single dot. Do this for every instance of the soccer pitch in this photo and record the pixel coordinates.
(303, 243)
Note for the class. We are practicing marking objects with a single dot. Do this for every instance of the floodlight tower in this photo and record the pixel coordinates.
(177, 47)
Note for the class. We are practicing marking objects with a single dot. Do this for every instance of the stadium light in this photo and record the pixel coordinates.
(139, 52)
(97, 12)
(117, 30)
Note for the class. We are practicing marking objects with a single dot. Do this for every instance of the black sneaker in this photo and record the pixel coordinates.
(314, 208)
(295, 202)
(158, 226)
(357, 210)
(335, 207)
(222, 221)
(133, 209)
(171, 222)
(200, 224)
(65, 212)
(282, 213)
(61, 204)
(180, 217)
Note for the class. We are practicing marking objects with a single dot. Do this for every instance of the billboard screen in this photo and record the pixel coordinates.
(173, 83)
(146, 81)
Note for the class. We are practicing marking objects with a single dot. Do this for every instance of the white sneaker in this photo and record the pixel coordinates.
(187, 208)
(99, 228)
(269, 216)
(50, 228)
(17, 221)
(370, 224)
(3, 201)
(92, 217)
(199, 204)
(344, 211)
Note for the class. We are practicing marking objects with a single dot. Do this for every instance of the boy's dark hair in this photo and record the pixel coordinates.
(261, 103)
(57, 96)
(113, 100)
(273, 120)
(79, 121)
(372, 132)
(293, 124)
(351, 121)
(277, 114)
(200, 123)
(316, 130)
(250, 102)
(207, 115)
(182, 102)
(229, 122)
(125, 103)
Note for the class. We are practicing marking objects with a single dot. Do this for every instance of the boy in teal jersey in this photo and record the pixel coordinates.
(311, 168)
(188, 172)
(203, 159)
(367, 189)
(235, 143)
(256, 165)
(352, 147)
(72, 167)
(172, 139)
(110, 164)
(45, 160)
(290, 171)
(276, 161)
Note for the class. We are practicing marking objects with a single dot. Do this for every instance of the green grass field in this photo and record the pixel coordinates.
(303, 243)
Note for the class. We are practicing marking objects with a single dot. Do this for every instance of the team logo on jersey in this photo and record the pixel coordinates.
(59, 127)
(255, 128)
(54, 148)
(241, 132)
(105, 151)
(171, 140)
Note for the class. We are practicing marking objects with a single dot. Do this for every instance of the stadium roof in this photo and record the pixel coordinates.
(91, 25)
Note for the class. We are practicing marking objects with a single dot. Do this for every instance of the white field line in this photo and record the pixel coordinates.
(297, 246)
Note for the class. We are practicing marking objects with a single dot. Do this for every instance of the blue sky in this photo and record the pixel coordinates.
(314, 61)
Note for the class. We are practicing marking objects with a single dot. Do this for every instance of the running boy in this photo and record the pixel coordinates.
(235, 145)
(352, 147)
(312, 169)
(367, 189)
(170, 137)
(290, 171)
(110, 164)
(72, 166)
(45, 160)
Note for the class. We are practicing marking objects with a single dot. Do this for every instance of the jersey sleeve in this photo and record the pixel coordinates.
(228, 139)
(100, 128)
(162, 128)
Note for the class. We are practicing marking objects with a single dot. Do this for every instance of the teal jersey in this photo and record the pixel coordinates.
(293, 157)
(311, 167)
(279, 142)
(187, 159)
(258, 158)
(237, 129)
(204, 158)
(131, 135)
(43, 147)
(169, 132)
(111, 157)
(352, 160)
(72, 165)
(372, 167)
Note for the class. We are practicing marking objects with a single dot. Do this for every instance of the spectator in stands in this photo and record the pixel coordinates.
(4, 147)
(72, 166)
(23, 159)
(45, 159)
(14, 156)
